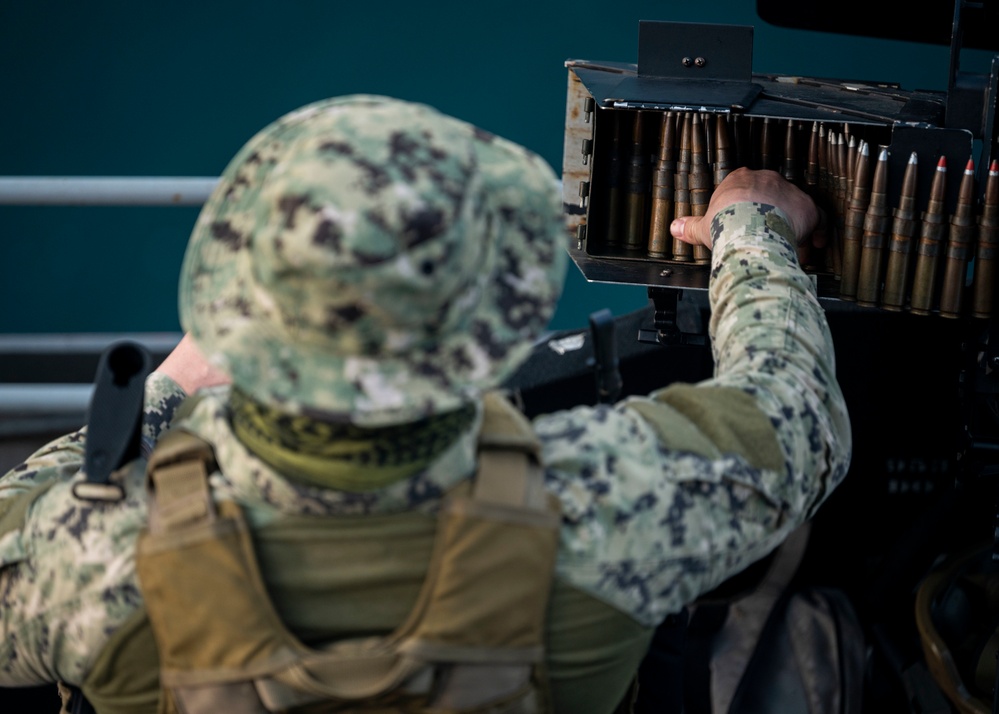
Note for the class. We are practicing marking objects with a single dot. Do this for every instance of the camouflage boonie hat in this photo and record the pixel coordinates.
(373, 260)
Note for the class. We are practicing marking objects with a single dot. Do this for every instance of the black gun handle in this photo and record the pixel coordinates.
(114, 419)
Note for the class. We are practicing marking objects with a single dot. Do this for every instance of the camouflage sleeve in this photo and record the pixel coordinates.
(62, 458)
(60, 586)
(664, 497)
(790, 372)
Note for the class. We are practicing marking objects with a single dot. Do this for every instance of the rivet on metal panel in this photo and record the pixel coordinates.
(700, 61)
(687, 62)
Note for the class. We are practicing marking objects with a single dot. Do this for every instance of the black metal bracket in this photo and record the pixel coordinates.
(971, 97)
(694, 65)
(605, 363)
(666, 329)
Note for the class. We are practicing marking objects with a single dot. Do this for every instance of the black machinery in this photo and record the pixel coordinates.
(910, 189)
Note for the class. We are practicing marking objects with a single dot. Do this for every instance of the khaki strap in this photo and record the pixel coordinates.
(177, 445)
(508, 472)
(505, 427)
(177, 477)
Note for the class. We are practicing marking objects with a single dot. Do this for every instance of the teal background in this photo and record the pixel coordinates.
(120, 88)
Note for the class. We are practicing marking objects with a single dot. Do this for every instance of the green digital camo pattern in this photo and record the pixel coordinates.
(370, 257)
(648, 543)
(645, 528)
(67, 579)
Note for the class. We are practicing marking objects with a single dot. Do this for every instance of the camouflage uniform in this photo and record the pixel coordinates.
(663, 497)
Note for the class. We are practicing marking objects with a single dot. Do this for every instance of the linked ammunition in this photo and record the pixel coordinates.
(988, 245)
(959, 241)
(900, 246)
(637, 189)
(663, 186)
(873, 240)
(853, 224)
(931, 231)
(884, 253)
(681, 203)
(700, 182)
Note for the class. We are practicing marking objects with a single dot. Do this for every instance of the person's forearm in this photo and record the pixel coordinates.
(770, 338)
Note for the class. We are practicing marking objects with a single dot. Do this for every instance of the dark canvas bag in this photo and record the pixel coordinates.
(774, 648)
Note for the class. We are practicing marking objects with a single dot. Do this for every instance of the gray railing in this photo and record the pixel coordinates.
(105, 190)
(46, 378)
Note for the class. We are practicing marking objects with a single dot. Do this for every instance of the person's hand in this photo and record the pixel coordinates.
(189, 368)
(762, 187)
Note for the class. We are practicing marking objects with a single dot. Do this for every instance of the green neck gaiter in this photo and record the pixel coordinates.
(345, 457)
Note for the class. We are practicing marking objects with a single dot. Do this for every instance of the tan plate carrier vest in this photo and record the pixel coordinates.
(472, 643)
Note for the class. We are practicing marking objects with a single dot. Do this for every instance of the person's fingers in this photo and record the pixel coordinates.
(691, 229)
(766, 187)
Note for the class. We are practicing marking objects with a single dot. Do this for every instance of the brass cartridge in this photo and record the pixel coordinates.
(701, 182)
(724, 154)
(812, 165)
(931, 232)
(637, 188)
(841, 177)
(708, 120)
(817, 259)
(823, 164)
(853, 224)
(851, 169)
(988, 247)
(873, 239)
(959, 242)
(789, 167)
(900, 246)
(681, 196)
(837, 202)
(663, 186)
(767, 144)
